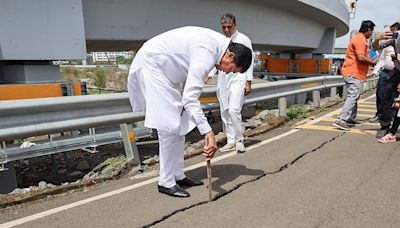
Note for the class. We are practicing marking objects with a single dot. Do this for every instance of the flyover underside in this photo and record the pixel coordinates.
(276, 26)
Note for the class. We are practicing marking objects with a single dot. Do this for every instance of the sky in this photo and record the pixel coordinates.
(381, 12)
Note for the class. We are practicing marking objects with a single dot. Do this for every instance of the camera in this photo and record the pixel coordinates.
(395, 35)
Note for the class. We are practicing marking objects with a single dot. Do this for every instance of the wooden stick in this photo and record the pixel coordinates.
(209, 180)
(209, 176)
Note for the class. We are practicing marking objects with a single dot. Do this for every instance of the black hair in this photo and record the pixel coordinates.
(365, 25)
(228, 17)
(243, 56)
(396, 26)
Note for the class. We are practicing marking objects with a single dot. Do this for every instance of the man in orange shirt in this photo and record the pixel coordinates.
(354, 72)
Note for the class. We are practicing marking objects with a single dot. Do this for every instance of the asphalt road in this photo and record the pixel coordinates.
(306, 176)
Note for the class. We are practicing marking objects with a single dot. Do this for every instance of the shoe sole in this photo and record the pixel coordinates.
(340, 127)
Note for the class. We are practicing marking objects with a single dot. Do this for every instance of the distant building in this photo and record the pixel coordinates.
(111, 56)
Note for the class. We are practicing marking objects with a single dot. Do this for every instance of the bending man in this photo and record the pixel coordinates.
(160, 68)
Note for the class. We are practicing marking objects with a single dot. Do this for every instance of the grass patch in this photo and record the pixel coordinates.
(297, 112)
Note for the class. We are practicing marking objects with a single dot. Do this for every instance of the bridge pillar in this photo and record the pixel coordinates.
(24, 72)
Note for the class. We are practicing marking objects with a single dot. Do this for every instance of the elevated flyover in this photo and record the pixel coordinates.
(39, 31)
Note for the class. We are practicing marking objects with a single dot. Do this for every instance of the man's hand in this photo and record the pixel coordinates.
(384, 36)
(210, 146)
(247, 89)
(375, 61)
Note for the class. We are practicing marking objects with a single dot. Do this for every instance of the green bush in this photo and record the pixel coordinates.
(297, 112)
(100, 78)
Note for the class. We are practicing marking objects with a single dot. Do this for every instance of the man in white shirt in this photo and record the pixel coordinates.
(382, 68)
(231, 89)
(158, 71)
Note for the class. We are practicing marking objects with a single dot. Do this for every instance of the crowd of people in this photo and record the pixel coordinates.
(386, 66)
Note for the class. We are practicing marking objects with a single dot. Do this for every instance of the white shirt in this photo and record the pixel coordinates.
(184, 56)
(385, 60)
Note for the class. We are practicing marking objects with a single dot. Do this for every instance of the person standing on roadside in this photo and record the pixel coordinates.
(232, 89)
(354, 72)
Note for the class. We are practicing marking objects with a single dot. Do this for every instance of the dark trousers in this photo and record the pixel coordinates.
(380, 93)
(395, 125)
(390, 92)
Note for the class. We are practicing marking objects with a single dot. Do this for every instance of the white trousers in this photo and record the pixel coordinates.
(171, 149)
(231, 116)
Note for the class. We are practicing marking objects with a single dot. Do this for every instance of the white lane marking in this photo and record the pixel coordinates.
(130, 187)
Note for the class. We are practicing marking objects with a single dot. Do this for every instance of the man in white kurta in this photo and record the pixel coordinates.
(166, 79)
(231, 90)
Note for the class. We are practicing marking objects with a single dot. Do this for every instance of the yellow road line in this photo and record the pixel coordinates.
(367, 102)
(331, 128)
(358, 114)
(366, 110)
(208, 99)
(330, 119)
(367, 106)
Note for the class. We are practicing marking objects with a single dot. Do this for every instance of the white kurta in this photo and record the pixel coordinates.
(230, 92)
(160, 68)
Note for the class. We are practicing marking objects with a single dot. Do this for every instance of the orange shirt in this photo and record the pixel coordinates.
(351, 66)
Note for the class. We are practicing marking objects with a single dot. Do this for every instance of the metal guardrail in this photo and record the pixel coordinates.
(34, 117)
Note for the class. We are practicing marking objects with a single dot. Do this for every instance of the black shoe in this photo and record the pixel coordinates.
(189, 182)
(175, 191)
(382, 133)
(374, 119)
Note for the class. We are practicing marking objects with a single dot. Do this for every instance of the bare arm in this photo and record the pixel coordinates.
(366, 60)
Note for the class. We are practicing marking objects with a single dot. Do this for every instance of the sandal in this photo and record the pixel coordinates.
(389, 138)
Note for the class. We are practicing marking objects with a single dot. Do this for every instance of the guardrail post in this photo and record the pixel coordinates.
(129, 139)
(333, 93)
(8, 178)
(282, 103)
(316, 98)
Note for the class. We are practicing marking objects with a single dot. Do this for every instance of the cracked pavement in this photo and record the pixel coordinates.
(307, 179)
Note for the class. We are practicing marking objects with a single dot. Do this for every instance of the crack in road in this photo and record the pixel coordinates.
(220, 195)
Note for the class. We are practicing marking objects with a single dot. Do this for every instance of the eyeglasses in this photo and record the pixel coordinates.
(227, 27)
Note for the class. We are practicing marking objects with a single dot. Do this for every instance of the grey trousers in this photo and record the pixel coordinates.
(349, 110)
